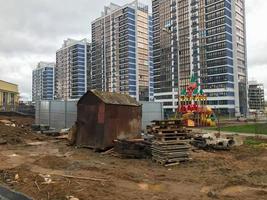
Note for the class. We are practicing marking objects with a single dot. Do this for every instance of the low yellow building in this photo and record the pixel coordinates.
(9, 96)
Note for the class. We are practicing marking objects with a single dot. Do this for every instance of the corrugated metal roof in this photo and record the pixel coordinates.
(115, 98)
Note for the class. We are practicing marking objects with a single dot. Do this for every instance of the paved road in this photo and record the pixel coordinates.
(6, 194)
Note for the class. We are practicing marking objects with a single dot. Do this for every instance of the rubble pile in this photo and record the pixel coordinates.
(13, 133)
(210, 141)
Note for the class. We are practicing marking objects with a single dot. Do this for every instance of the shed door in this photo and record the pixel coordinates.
(87, 120)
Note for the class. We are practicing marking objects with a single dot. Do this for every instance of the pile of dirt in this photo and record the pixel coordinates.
(16, 135)
(52, 162)
(17, 130)
(19, 121)
(11, 135)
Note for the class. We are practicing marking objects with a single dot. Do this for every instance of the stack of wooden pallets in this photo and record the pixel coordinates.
(171, 142)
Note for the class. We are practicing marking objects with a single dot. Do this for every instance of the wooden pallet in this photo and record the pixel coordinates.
(168, 122)
(171, 139)
(169, 131)
(168, 127)
(178, 143)
(178, 136)
(170, 146)
(164, 150)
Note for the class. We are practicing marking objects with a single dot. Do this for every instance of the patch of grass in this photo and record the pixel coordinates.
(253, 142)
(256, 143)
(246, 128)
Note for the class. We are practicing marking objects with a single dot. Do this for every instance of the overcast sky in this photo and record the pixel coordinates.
(32, 31)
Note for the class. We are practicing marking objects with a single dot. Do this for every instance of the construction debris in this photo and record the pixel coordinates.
(7, 122)
(64, 131)
(82, 178)
(40, 127)
(137, 148)
(211, 141)
(46, 130)
(47, 178)
(170, 153)
(71, 198)
(171, 142)
(51, 132)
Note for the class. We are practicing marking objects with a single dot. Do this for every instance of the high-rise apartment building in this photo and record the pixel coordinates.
(122, 55)
(72, 69)
(43, 81)
(256, 96)
(205, 38)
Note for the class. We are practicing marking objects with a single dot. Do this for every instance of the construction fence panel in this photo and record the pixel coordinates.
(58, 114)
(37, 113)
(71, 113)
(151, 111)
(44, 112)
(63, 114)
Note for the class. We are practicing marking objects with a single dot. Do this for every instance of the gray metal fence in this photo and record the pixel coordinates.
(63, 114)
(57, 114)
(151, 111)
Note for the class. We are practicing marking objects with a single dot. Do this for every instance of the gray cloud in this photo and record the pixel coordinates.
(256, 33)
(257, 41)
(32, 30)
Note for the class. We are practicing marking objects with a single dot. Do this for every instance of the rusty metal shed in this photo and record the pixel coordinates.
(103, 117)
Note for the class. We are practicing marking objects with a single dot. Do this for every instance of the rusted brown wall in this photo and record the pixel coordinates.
(121, 122)
(88, 128)
(99, 124)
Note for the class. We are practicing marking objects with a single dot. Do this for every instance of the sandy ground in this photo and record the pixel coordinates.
(46, 168)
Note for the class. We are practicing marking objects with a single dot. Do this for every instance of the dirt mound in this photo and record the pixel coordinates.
(12, 135)
(16, 129)
(16, 135)
(19, 121)
(52, 162)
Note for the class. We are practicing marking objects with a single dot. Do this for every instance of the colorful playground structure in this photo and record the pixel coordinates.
(193, 106)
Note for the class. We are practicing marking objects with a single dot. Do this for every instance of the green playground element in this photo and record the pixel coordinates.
(183, 93)
(195, 92)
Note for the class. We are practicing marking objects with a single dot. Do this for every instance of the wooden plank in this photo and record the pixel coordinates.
(171, 139)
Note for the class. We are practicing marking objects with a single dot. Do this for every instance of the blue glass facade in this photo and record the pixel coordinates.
(43, 82)
(120, 51)
(211, 40)
(78, 70)
(48, 83)
(127, 55)
(71, 70)
(131, 50)
(219, 49)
